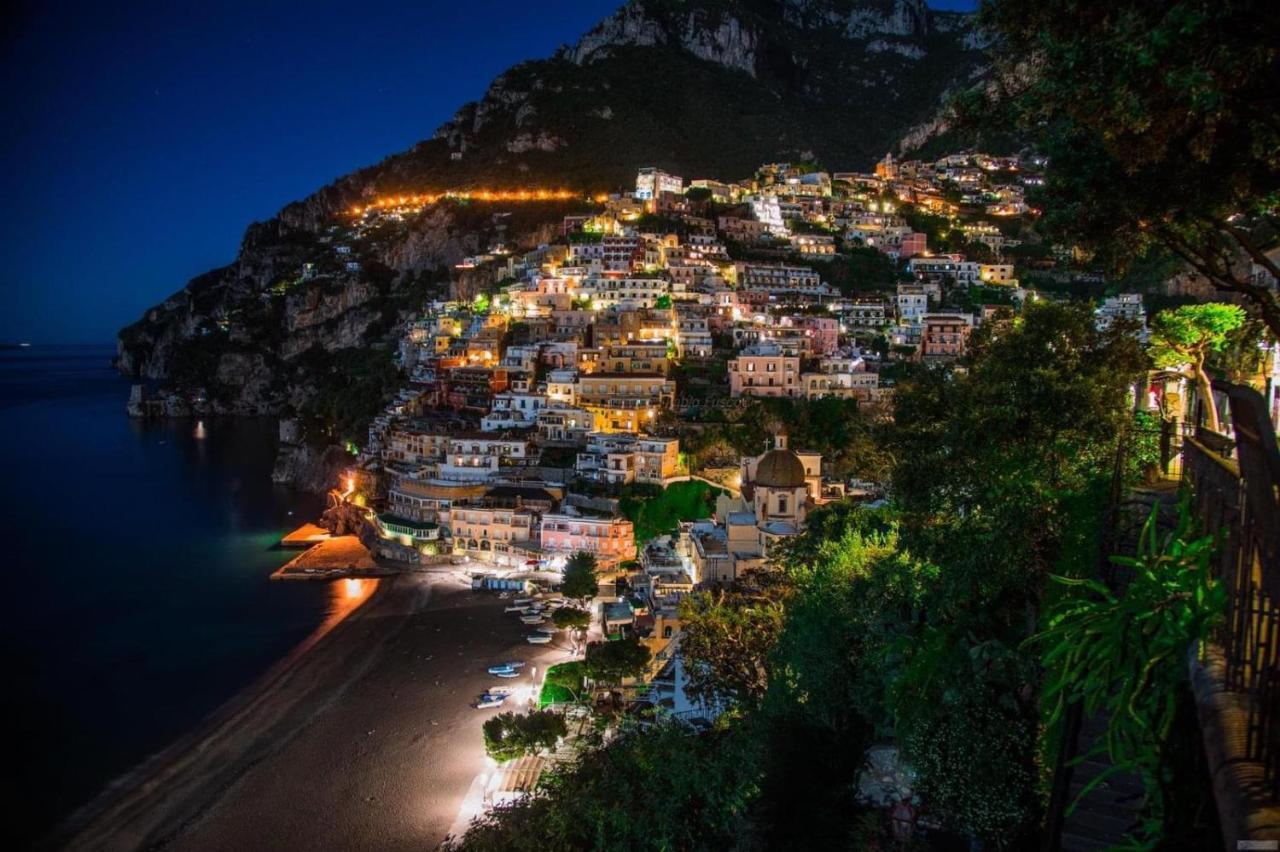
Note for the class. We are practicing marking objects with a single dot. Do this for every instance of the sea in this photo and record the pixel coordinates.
(138, 554)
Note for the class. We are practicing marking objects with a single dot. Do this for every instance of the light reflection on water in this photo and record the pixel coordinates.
(346, 595)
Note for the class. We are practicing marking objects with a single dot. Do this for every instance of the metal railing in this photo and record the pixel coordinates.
(1235, 492)
(1235, 486)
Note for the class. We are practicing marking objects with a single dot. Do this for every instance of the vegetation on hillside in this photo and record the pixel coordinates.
(1158, 122)
(655, 511)
(910, 624)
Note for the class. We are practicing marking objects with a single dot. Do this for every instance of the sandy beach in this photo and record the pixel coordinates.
(366, 741)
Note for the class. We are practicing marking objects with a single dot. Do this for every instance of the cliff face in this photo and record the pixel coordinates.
(707, 88)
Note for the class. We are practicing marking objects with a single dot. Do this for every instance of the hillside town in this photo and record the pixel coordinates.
(539, 428)
(555, 381)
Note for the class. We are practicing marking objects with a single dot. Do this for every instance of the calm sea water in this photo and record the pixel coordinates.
(138, 555)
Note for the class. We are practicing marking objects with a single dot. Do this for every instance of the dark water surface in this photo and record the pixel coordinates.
(138, 556)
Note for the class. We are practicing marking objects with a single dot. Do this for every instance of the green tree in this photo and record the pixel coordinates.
(573, 619)
(508, 736)
(1158, 121)
(727, 637)
(657, 787)
(987, 459)
(1187, 336)
(580, 582)
(698, 194)
(610, 662)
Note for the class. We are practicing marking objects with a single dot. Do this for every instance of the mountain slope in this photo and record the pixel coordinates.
(708, 88)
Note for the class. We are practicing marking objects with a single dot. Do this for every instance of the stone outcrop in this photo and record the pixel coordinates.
(305, 466)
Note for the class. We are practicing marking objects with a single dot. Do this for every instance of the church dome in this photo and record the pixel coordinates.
(780, 469)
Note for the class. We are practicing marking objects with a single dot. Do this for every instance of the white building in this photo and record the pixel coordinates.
(652, 182)
(513, 411)
(480, 457)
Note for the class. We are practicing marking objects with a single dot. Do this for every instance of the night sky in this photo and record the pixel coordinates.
(141, 138)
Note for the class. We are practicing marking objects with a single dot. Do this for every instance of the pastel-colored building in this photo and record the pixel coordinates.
(823, 333)
(945, 336)
(491, 533)
(611, 539)
(764, 371)
(624, 402)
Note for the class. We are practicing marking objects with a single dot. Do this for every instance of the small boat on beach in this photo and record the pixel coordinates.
(506, 667)
(489, 700)
(514, 608)
(538, 639)
(532, 619)
(549, 630)
(508, 673)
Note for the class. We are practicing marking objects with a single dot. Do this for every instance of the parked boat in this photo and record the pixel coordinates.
(506, 673)
(538, 639)
(487, 700)
(532, 619)
(505, 667)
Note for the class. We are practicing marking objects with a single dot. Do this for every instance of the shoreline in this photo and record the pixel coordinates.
(94, 824)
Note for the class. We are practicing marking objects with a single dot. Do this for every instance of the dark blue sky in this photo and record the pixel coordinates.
(141, 138)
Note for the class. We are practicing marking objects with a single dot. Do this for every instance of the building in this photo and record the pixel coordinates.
(742, 230)
(480, 457)
(409, 531)
(813, 244)
(513, 411)
(952, 266)
(823, 333)
(913, 302)
(693, 332)
(624, 402)
(619, 458)
(866, 315)
(501, 535)
(764, 370)
(564, 424)
(610, 538)
(997, 273)
(944, 337)
(646, 356)
(411, 445)
(620, 292)
(1127, 307)
(430, 500)
(779, 278)
(652, 182)
(840, 378)
(778, 489)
